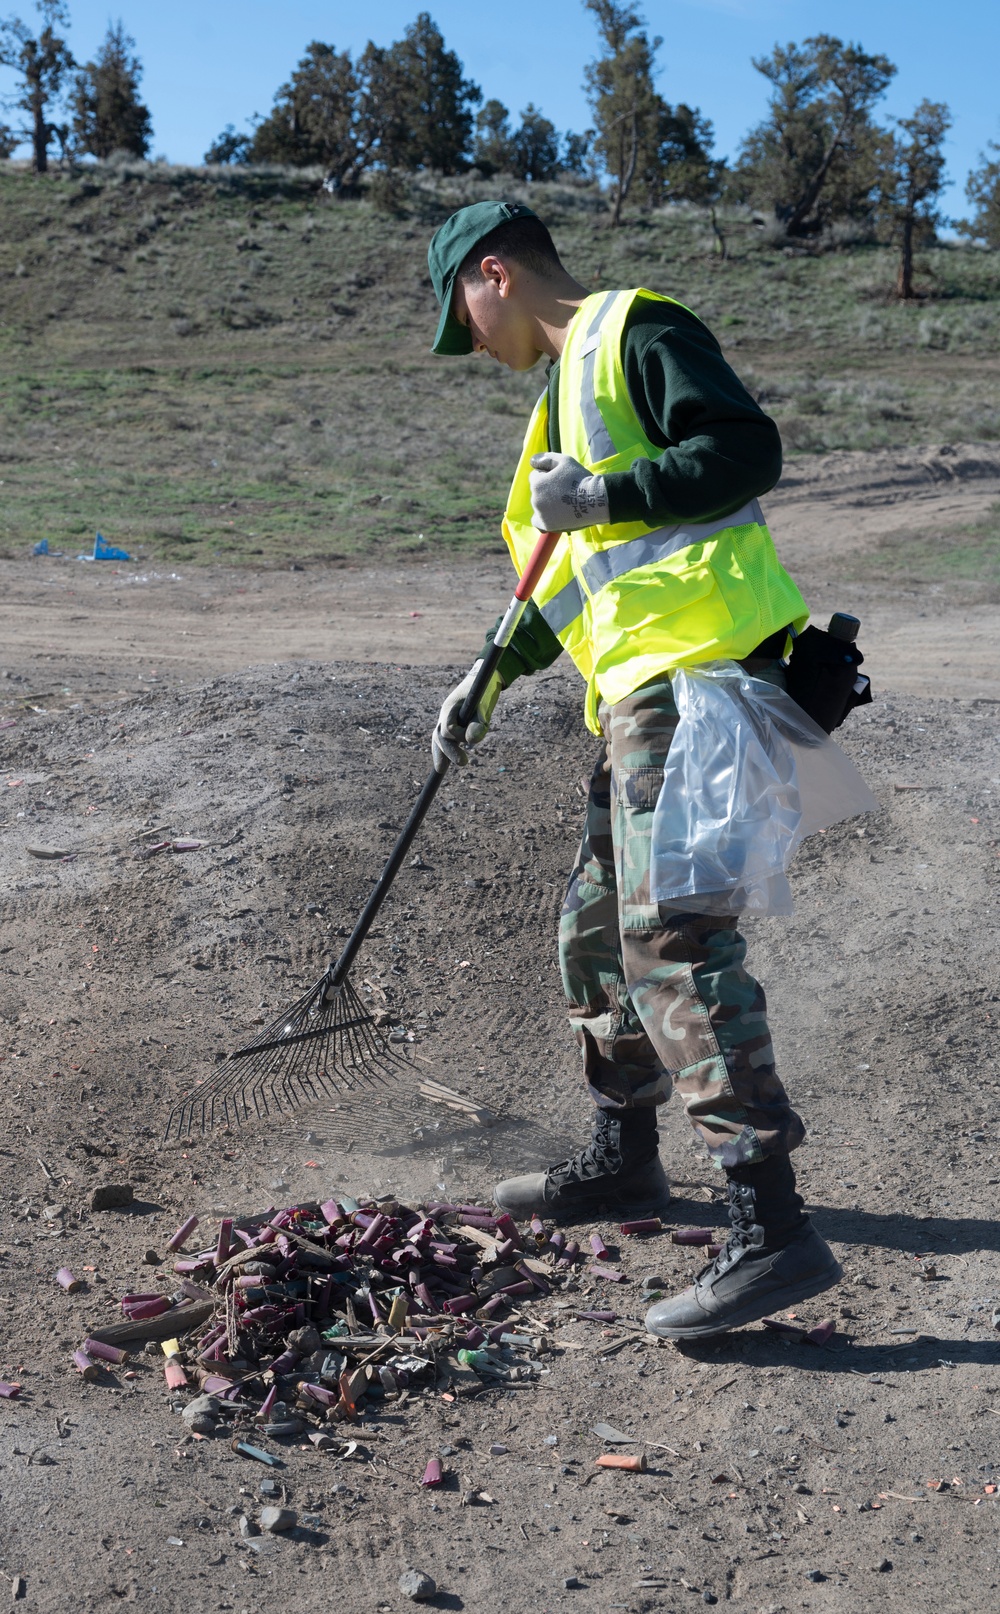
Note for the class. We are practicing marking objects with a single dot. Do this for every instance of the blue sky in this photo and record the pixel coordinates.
(207, 65)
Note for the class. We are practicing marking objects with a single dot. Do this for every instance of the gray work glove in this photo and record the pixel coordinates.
(449, 738)
(565, 496)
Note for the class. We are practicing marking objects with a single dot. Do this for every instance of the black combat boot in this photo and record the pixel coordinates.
(620, 1168)
(773, 1258)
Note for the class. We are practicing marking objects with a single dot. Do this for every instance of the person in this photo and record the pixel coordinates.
(649, 454)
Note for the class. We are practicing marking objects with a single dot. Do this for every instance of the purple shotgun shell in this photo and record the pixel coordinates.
(523, 1288)
(599, 1247)
(183, 1233)
(597, 1316)
(507, 1226)
(83, 1364)
(139, 1310)
(433, 1473)
(611, 1273)
(569, 1254)
(647, 1224)
(225, 1243)
(10, 1392)
(506, 1248)
(822, 1332)
(107, 1353)
(66, 1280)
(693, 1235)
(264, 1410)
(460, 1303)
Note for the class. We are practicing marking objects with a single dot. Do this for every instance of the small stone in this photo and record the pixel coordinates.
(709, 1597)
(414, 1583)
(269, 1487)
(112, 1196)
(305, 1340)
(801, 1490)
(782, 1429)
(815, 1574)
(883, 1566)
(274, 1520)
(652, 1282)
(202, 1414)
(552, 1440)
(248, 1527)
(496, 1450)
(572, 1583)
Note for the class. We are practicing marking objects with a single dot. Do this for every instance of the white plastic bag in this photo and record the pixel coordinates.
(748, 776)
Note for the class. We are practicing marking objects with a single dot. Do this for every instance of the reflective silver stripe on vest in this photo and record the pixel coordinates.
(609, 564)
(599, 442)
(564, 607)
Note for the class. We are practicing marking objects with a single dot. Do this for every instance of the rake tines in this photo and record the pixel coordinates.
(326, 1044)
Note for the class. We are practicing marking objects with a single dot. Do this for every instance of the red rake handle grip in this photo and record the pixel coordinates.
(527, 583)
(540, 557)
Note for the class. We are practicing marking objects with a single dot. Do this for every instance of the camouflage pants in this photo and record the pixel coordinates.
(658, 998)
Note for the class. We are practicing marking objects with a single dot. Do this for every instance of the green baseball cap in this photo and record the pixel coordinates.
(450, 245)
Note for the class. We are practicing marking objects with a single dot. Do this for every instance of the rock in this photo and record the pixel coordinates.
(572, 1583)
(650, 1281)
(815, 1574)
(152, 1258)
(305, 1340)
(883, 1566)
(285, 1428)
(112, 1196)
(202, 1414)
(269, 1487)
(274, 1520)
(248, 1528)
(414, 1583)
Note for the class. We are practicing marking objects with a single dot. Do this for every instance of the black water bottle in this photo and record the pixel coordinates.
(844, 626)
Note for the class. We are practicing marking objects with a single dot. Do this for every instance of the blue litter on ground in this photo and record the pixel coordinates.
(105, 551)
(42, 547)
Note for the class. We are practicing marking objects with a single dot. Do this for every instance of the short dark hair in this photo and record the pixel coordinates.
(525, 240)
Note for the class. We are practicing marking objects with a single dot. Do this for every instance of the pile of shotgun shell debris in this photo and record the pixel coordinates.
(297, 1318)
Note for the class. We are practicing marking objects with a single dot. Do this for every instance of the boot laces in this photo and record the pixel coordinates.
(602, 1156)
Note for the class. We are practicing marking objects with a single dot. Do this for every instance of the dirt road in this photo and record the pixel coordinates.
(278, 727)
(106, 629)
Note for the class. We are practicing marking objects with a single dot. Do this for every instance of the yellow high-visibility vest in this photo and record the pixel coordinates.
(629, 602)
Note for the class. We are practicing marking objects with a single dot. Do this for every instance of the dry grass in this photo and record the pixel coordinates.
(216, 365)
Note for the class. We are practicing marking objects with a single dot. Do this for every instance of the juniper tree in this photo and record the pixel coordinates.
(815, 156)
(41, 60)
(983, 190)
(913, 177)
(107, 112)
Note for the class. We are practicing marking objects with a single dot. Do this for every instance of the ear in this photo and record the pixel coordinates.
(494, 270)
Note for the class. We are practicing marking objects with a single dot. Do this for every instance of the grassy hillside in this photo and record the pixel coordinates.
(220, 368)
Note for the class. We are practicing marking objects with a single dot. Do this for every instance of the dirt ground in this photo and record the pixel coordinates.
(282, 718)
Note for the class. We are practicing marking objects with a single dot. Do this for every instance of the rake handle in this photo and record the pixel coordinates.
(528, 582)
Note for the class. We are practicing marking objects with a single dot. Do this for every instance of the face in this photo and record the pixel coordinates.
(493, 311)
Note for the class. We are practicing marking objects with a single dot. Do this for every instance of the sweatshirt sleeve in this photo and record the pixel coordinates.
(719, 448)
(533, 647)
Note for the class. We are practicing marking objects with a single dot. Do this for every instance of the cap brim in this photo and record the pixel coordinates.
(452, 337)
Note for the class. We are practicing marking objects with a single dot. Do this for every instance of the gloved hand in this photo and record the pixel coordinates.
(449, 738)
(565, 496)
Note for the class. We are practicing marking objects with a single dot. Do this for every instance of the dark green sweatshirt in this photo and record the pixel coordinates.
(719, 448)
